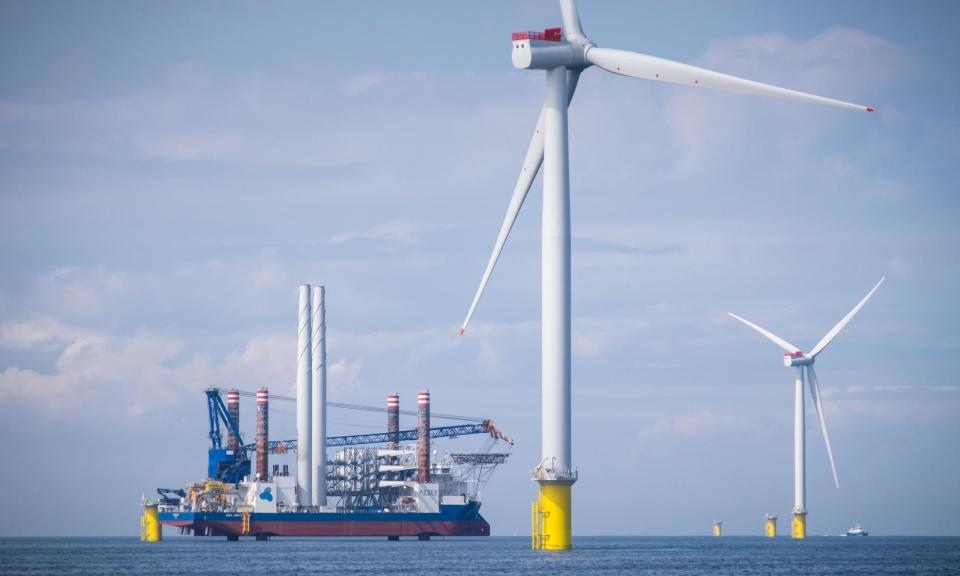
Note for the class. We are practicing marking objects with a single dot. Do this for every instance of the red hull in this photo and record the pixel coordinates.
(344, 528)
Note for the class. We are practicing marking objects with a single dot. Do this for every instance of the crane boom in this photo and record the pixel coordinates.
(485, 427)
(366, 408)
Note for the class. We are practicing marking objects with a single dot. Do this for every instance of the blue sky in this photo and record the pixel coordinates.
(170, 172)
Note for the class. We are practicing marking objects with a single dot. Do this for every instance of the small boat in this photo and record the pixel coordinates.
(857, 530)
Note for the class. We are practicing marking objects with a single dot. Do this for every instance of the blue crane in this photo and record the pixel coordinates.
(231, 466)
(224, 464)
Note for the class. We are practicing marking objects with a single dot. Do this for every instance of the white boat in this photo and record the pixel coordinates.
(857, 530)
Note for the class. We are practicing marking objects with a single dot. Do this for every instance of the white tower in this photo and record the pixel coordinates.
(304, 403)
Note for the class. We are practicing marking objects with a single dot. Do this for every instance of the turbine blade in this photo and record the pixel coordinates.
(658, 69)
(773, 337)
(571, 19)
(815, 394)
(846, 319)
(528, 172)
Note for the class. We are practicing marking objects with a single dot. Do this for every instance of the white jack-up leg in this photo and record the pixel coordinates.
(555, 278)
(304, 363)
(318, 453)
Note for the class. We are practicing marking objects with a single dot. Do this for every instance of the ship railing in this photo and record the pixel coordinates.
(544, 473)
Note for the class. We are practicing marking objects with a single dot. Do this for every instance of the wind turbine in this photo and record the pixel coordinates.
(564, 54)
(794, 357)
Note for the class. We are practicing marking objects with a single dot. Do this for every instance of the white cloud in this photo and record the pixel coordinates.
(948, 389)
(590, 344)
(843, 63)
(397, 231)
(79, 292)
(344, 374)
(687, 426)
(487, 357)
(901, 266)
(101, 375)
(44, 333)
(414, 347)
(363, 82)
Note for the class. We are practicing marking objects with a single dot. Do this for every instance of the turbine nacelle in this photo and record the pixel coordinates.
(797, 359)
(548, 49)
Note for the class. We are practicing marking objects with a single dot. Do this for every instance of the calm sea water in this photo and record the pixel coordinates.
(592, 556)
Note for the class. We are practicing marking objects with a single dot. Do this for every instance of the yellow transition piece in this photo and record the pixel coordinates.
(150, 528)
(771, 527)
(798, 528)
(556, 524)
(717, 528)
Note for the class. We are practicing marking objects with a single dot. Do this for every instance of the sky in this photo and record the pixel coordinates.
(170, 172)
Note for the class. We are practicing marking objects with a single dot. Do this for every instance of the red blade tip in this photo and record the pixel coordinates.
(461, 331)
(869, 109)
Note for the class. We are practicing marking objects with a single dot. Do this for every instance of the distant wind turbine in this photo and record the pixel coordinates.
(794, 357)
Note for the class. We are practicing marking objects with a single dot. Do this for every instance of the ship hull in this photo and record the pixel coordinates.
(450, 521)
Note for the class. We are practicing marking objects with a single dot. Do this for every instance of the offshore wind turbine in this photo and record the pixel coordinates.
(793, 357)
(564, 54)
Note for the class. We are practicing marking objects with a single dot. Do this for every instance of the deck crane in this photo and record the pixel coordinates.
(231, 466)
(483, 427)
(225, 464)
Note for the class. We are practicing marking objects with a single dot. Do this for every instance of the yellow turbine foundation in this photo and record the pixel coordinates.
(717, 528)
(770, 530)
(150, 528)
(798, 528)
(555, 518)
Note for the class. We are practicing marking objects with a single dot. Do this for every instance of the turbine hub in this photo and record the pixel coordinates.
(796, 359)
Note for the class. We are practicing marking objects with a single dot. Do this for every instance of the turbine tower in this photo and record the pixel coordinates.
(564, 54)
(793, 357)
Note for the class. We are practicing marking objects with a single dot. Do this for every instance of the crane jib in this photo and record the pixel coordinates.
(281, 446)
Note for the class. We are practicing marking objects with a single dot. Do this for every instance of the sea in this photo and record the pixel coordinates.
(872, 555)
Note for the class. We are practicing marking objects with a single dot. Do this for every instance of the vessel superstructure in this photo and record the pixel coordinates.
(376, 493)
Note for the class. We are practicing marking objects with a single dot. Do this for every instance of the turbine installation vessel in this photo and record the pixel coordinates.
(394, 490)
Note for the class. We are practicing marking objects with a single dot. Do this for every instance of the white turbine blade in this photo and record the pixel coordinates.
(846, 319)
(773, 337)
(571, 20)
(815, 393)
(658, 69)
(531, 165)
(528, 172)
